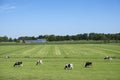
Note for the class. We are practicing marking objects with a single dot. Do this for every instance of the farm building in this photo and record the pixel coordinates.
(33, 41)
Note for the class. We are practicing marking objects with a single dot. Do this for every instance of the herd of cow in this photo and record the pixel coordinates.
(66, 67)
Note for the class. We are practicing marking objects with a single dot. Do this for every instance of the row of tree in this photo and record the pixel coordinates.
(85, 36)
(6, 39)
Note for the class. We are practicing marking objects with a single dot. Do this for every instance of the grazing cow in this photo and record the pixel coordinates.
(39, 62)
(107, 58)
(68, 66)
(18, 64)
(88, 64)
(7, 57)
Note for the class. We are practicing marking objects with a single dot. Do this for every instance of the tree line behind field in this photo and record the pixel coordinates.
(85, 36)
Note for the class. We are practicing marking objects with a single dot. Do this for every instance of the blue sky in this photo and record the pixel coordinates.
(58, 17)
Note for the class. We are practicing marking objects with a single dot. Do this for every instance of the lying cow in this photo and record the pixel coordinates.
(88, 64)
(39, 62)
(68, 66)
(107, 58)
(18, 64)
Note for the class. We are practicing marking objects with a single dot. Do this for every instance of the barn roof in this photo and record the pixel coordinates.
(36, 41)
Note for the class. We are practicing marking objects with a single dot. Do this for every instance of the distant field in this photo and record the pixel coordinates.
(55, 57)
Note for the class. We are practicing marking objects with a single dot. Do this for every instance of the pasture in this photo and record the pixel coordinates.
(54, 59)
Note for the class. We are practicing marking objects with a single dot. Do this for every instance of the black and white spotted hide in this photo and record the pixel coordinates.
(87, 64)
(18, 64)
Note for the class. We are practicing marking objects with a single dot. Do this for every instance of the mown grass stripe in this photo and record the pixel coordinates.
(57, 51)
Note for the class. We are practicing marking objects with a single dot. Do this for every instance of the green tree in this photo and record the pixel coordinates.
(4, 39)
(10, 40)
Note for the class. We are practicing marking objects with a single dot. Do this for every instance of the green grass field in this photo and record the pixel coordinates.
(55, 57)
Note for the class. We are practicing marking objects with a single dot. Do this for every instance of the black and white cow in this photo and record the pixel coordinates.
(68, 66)
(18, 64)
(107, 58)
(39, 62)
(7, 57)
(88, 64)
